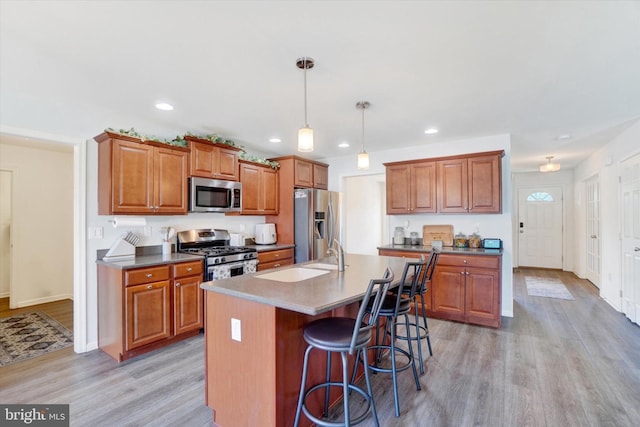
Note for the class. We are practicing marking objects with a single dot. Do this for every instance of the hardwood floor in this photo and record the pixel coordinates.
(556, 363)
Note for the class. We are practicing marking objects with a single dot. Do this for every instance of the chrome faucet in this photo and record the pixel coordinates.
(338, 253)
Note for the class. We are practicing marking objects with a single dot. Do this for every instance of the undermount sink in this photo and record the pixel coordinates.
(323, 266)
(296, 274)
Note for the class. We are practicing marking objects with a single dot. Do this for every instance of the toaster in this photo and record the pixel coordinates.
(265, 234)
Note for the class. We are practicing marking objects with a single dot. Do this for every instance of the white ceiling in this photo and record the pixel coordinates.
(535, 70)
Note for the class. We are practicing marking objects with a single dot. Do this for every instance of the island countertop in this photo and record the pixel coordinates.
(315, 295)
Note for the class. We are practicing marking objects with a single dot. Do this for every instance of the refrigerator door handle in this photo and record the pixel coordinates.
(331, 223)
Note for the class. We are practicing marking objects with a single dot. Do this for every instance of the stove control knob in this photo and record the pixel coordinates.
(222, 259)
(217, 261)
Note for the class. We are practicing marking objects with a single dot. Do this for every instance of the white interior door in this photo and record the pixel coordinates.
(540, 227)
(5, 233)
(630, 201)
(593, 240)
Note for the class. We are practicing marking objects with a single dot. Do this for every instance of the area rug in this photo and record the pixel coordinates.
(547, 287)
(28, 335)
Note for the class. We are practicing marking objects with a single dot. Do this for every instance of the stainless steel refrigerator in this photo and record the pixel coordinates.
(316, 222)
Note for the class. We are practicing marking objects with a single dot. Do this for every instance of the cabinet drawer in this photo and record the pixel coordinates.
(187, 269)
(278, 255)
(146, 275)
(470, 261)
(274, 264)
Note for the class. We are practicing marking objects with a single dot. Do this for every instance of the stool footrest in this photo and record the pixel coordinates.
(324, 421)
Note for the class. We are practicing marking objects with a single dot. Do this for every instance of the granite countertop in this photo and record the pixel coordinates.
(150, 260)
(315, 295)
(445, 250)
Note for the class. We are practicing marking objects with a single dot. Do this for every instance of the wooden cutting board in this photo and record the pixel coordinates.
(437, 232)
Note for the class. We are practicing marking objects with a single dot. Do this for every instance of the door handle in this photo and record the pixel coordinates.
(593, 236)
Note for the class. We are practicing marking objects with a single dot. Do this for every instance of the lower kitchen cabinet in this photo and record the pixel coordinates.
(464, 288)
(143, 309)
(275, 258)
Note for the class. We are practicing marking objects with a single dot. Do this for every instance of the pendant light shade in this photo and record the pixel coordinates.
(549, 167)
(363, 157)
(305, 134)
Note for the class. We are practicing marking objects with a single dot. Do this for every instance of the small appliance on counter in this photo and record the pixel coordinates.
(265, 234)
(492, 243)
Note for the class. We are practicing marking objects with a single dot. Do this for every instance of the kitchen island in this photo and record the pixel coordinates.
(254, 343)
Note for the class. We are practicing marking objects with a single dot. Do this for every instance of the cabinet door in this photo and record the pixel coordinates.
(227, 166)
(483, 297)
(170, 181)
(448, 292)
(398, 189)
(452, 186)
(132, 178)
(303, 174)
(423, 187)
(251, 188)
(484, 184)
(187, 304)
(204, 157)
(320, 177)
(270, 191)
(147, 314)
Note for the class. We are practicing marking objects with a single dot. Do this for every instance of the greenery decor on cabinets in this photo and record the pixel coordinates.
(177, 141)
(244, 156)
(215, 138)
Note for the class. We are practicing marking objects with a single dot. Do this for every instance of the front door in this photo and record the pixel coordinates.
(630, 200)
(593, 231)
(540, 227)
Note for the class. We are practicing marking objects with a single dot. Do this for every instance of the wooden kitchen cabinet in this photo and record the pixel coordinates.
(307, 173)
(259, 189)
(275, 258)
(465, 288)
(468, 289)
(411, 188)
(470, 185)
(210, 160)
(140, 177)
(142, 309)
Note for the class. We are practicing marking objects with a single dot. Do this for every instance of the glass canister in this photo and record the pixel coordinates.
(414, 238)
(460, 241)
(475, 241)
(398, 236)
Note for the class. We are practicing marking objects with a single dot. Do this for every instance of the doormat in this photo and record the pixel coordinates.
(547, 287)
(28, 335)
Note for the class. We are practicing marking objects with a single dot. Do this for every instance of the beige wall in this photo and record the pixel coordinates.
(42, 220)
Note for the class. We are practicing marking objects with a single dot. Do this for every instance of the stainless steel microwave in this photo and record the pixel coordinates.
(214, 195)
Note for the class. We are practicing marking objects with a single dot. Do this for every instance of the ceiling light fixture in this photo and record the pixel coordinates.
(305, 134)
(343, 145)
(431, 131)
(275, 140)
(549, 167)
(363, 157)
(164, 106)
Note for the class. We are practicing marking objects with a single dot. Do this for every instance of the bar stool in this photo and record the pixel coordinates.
(422, 331)
(343, 335)
(399, 305)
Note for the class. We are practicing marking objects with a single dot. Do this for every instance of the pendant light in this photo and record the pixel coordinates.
(305, 134)
(363, 157)
(549, 167)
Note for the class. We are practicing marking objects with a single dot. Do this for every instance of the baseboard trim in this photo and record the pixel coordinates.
(43, 300)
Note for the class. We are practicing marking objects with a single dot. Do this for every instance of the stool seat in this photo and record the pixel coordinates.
(334, 334)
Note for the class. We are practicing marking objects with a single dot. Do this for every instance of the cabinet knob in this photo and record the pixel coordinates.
(467, 273)
(149, 275)
(465, 261)
(150, 287)
(189, 269)
(277, 255)
(462, 272)
(276, 265)
(177, 285)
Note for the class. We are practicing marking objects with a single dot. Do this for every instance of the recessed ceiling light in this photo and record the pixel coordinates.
(164, 106)
(343, 145)
(564, 137)
(431, 131)
(275, 140)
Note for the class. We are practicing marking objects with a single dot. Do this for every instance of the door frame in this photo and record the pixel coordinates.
(79, 226)
(588, 276)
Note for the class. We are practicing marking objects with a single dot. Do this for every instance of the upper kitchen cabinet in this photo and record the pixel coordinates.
(259, 189)
(305, 173)
(411, 187)
(138, 177)
(209, 160)
(470, 183)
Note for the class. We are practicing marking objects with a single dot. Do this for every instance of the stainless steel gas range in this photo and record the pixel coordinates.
(221, 259)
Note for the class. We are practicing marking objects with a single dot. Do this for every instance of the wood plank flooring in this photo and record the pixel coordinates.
(556, 363)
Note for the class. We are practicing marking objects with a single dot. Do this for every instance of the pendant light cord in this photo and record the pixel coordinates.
(306, 123)
(363, 127)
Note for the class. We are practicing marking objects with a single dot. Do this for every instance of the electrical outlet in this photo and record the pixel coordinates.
(96, 233)
(236, 330)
